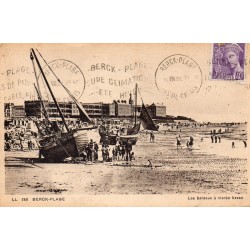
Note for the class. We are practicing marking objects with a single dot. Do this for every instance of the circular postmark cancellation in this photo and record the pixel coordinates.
(178, 76)
(69, 74)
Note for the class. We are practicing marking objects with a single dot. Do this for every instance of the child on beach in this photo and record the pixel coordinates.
(132, 156)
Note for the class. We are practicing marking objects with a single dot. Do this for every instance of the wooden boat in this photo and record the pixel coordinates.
(125, 138)
(55, 144)
(111, 138)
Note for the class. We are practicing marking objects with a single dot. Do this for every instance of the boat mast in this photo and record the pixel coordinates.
(44, 112)
(135, 101)
(54, 99)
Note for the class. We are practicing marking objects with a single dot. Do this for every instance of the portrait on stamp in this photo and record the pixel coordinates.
(228, 61)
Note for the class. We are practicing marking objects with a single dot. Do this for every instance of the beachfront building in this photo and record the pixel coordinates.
(34, 108)
(8, 111)
(157, 110)
(122, 109)
(119, 108)
(15, 114)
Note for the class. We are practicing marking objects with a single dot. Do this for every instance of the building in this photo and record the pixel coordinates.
(157, 111)
(66, 108)
(111, 111)
(96, 110)
(19, 112)
(14, 115)
(33, 108)
(122, 109)
(8, 111)
(69, 109)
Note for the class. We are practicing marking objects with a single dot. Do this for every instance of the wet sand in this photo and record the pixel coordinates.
(209, 168)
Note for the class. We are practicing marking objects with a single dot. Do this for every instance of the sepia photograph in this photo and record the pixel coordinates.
(125, 121)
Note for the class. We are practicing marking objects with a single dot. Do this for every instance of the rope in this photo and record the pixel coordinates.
(31, 57)
(65, 88)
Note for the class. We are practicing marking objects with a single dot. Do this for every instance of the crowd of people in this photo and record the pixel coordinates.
(107, 153)
(18, 140)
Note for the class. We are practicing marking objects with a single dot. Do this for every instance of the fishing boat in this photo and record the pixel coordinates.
(110, 135)
(58, 143)
(108, 131)
(146, 120)
(132, 134)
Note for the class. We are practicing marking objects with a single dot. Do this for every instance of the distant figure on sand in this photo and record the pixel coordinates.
(191, 141)
(150, 164)
(215, 138)
(245, 143)
(212, 139)
(152, 137)
(233, 145)
(219, 138)
(178, 142)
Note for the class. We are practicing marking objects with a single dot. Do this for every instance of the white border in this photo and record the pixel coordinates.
(124, 21)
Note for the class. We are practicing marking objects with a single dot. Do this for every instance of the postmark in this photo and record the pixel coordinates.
(228, 61)
(178, 76)
(69, 74)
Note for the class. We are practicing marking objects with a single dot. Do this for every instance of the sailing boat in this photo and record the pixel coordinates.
(132, 134)
(111, 138)
(54, 143)
(147, 121)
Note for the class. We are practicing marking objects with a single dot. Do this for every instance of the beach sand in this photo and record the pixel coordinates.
(209, 168)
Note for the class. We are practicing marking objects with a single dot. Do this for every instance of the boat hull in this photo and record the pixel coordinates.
(125, 138)
(58, 149)
(68, 145)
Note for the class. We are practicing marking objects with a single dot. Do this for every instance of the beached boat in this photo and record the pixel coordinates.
(110, 137)
(55, 143)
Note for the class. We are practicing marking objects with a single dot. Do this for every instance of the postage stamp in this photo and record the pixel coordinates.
(228, 61)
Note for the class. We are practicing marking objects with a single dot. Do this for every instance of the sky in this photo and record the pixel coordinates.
(175, 75)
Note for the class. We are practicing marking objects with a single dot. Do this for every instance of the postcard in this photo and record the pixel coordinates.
(124, 124)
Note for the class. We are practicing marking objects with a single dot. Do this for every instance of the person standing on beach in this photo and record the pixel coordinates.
(215, 138)
(104, 153)
(128, 148)
(212, 139)
(89, 152)
(114, 153)
(152, 137)
(21, 138)
(191, 142)
(123, 151)
(178, 142)
(96, 148)
(245, 143)
(233, 145)
(107, 153)
(219, 138)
